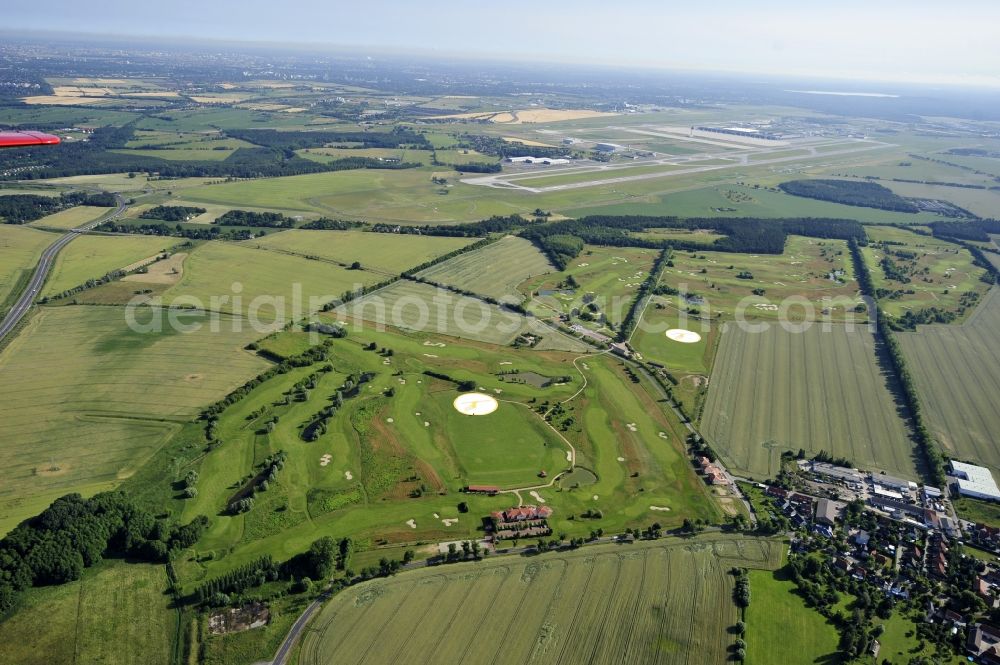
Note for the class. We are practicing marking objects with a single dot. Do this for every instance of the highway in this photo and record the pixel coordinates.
(24, 303)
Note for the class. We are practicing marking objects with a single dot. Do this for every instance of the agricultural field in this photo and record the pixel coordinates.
(118, 614)
(416, 306)
(825, 390)
(495, 270)
(935, 273)
(92, 257)
(608, 277)
(957, 370)
(20, 249)
(812, 280)
(71, 217)
(650, 603)
(217, 270)
(86, 401)
(781, 628)
(382, 252)
(325, 155)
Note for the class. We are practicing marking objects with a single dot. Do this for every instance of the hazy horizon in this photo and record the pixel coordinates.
(904, 42)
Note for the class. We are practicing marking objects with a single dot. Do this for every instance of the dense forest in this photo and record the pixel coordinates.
(976, 231)
(274, 220)
(272, 138)
(24, 208)
(171, 213)
(850, 192)
(95, 156)
(75, 533)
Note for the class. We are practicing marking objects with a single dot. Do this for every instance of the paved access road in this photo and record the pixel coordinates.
(27, 298)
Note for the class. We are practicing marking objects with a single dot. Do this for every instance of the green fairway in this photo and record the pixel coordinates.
(781, 628)
(118, 614)
(71, 217)
(92, 257)
(86, 401)
(778, 391)
(957, 371)
(936, 273)
(659, 602)
(383, 252)
(20, 249)
(494, 271)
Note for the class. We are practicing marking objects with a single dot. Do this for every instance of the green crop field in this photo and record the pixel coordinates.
(383, 252)
(207, 154)
(494, 271)
(91, 257)
(71, 217)
(118, 614)
(609, 277)
(417, 306)
(777, 390)
(781, 628)
(939, 272)
(20, 249)
(649, 603)
(957, 369)
(85, 400)
(217, 270)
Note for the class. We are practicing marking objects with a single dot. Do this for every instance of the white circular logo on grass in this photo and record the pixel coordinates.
(683, 336)
(475, 404)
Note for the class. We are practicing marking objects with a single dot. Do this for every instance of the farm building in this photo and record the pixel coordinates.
(849, 476)
(974, 481)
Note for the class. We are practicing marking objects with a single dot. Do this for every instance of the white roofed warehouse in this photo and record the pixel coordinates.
(974, 481)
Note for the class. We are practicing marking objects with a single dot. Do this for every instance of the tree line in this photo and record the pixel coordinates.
(24, 208)
(850, 192)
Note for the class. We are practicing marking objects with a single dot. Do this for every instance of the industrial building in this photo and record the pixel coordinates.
(895, 483)
(848, 476)
(974, 481)
(537, 160)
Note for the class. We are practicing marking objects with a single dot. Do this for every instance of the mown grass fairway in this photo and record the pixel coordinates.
(781, 628)
(71, 217)
(939, 272)
(806, 270)
(957, 369)
(85, 401)
(118, 614)
(818, 390)
(20, 249)
(381, 252)
(659, 602)
(220, 271)
(494, 270)
(92, 257)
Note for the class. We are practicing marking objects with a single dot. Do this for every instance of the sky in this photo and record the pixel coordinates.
(892, 40)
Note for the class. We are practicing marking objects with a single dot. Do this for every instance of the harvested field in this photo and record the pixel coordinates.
(92, 257)
(957, 369)
(819, 390)
(20, 249)
(661, 602)
(167, 271)
(71, 217)
(494, 270)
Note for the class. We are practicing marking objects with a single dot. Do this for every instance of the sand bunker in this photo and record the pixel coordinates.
(660, 508)
(448, 521)
(536, 496)
(325, 459)
(348, 475)
(683, 336)
(411, 523)
(475, 404)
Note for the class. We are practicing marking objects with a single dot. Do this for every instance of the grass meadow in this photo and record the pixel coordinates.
(819, 390)
(118, 614)
(86, 401)
(381, 252)
(20, 249)
(92, 257)
(649, 602)
(71, 218)
(494, 271)
(957, 370)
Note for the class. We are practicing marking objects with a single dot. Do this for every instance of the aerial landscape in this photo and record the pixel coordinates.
(324, 344)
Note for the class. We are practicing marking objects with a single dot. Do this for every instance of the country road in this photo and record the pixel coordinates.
(31, 291)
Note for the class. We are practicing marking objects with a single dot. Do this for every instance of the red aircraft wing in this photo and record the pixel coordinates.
(26, 139)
